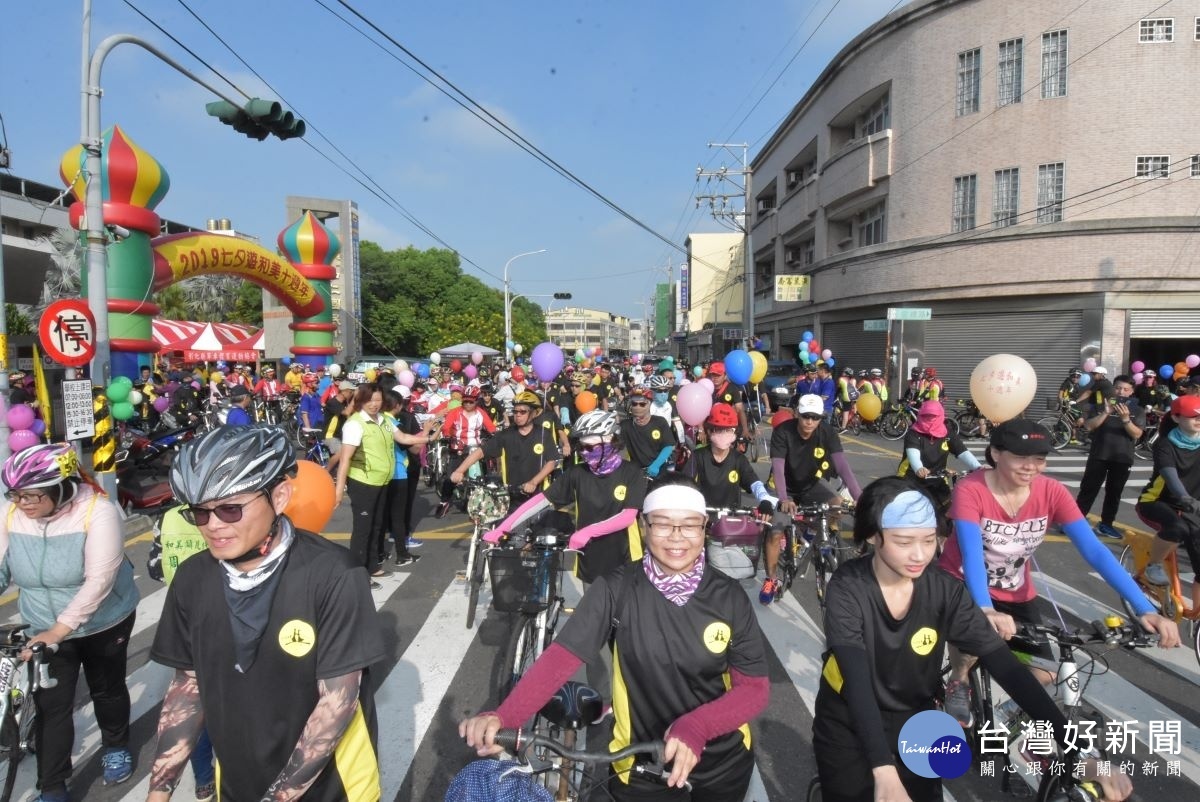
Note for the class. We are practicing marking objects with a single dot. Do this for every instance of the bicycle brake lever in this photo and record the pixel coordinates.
(657, 771)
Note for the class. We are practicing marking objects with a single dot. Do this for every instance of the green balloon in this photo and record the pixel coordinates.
(128, 382)
(118, 391)
(122, 410)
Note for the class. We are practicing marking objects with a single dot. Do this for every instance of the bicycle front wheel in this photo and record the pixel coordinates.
(814, 790)
(894, 425)
(1196, 638)
(1145, 445)
(521, 652)
(16, 732)
(475, 562)
(1060, 431)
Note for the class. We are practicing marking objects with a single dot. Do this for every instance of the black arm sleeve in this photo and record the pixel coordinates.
(858, 690)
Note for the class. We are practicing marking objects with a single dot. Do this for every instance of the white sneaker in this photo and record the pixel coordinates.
(1155, 574)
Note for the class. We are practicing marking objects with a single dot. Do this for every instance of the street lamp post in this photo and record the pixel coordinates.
(508, 305)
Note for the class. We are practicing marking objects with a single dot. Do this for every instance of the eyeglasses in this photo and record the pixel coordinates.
(639, 403)
(811, 417)
(468, 401)
(518, 411)
(228, 513)
(24, 498)
(664, 529)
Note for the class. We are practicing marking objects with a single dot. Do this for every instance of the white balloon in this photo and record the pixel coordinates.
(135, 397)
(1002, 386)
(335, 370)
(517, 349)
(399, 365)
(435, 358)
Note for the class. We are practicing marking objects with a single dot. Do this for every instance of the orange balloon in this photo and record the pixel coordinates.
(586, 401)
(312, 501)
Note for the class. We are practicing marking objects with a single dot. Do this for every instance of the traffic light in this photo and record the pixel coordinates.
(562, 296)
(258, 118)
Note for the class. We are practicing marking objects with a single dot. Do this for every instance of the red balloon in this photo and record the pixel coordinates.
(518, 374)
(456, 365)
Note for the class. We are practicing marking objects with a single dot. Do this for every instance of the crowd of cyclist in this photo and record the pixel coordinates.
(614, 455)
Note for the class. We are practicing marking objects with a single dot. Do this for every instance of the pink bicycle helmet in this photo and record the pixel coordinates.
(40, 466)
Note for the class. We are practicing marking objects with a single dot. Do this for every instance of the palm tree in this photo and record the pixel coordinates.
(172, 303)
(63, 277)
(211, 297)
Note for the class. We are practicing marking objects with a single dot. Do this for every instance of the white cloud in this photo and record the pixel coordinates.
(387, 238)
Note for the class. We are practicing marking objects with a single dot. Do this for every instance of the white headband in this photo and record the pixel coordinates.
(675, 497)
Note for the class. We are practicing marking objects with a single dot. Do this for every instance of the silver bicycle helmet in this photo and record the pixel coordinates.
(231, 460)
(659, 382)
(597, 423)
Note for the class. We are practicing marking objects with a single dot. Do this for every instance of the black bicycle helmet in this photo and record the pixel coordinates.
(231, 460)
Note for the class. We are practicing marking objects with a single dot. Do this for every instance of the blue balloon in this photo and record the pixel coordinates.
(1166, 371)
(829, 362)
(807, 337)
(1085, 380)
(287, 360)
(738, 366)
(678, 375)
(422, 370)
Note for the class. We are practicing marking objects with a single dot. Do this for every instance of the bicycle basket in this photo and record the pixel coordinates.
(487, 503)
(486, 781)
(514, 577)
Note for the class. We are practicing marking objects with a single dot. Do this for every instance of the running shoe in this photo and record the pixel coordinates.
(407, 559)
(118, 765)
(443, 510)
(414, 543)
(1108, 530)
(205, 793)
(767, 594)
(1155, 574)
(958, 702)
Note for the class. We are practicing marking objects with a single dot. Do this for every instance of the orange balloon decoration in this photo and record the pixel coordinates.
(312, 501)
(586, 401)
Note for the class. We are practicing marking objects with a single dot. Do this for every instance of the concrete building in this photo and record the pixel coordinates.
(711, 293)
(1002, 165)
(573, 328)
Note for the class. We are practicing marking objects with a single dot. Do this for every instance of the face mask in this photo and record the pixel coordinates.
(660, 398)
(601, 459)
(722, 440)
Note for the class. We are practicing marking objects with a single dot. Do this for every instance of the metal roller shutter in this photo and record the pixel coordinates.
(1164, 324)
(1050, 341)
(788, 338)
(852, 347)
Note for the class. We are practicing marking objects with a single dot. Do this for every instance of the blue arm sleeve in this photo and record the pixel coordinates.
(914, 458)
(1170, 475)
(970, 544)
(564, 415)
(970, 460)
(1106, 564)
(654, 467)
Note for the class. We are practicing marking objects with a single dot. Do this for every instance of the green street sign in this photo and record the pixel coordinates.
(904, 313)
(875, 325)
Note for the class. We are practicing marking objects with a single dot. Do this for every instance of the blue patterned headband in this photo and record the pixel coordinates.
(909, 510)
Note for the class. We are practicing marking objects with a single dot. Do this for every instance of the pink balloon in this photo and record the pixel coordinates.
(406, 378)
(827, 354)
(477, 357)
(1089, 364)
(694, 403)
(1138, 367)
(1192, 361)
(20, 417)
(22, 439)
(707, 384)
(161, 404)
(470, 371)
(1138, 378)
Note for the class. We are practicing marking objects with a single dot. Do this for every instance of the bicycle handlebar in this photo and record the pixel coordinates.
(41, 671)
(814, 510)
(1113, 631)
(521, 744)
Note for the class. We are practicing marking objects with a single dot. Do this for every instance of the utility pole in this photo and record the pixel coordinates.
(724, 188)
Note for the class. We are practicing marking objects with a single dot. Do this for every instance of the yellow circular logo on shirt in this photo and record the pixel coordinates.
(924, 640)
(546, 424)
(945, 445)
(297, 637)
(619, 492)
(818, 452)
(824, 466)
(538, 448)
(733, 477)
(655, 435)
(716, 637)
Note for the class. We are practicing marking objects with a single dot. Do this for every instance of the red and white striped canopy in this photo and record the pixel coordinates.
(204, 341)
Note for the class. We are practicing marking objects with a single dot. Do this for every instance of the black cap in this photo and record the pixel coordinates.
(1021, 437)
(238, 391)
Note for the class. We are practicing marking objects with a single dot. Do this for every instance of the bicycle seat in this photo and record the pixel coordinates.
(10, 634)
(573, 707)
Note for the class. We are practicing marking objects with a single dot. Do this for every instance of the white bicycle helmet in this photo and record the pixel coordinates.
(658, 382)
(597, 423)
(231, 460)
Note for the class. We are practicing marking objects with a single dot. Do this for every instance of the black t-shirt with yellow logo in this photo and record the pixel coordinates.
(322, 625)
(806, 462)
(722, 483)
(669, 660)
(933, 450)
(520, 457)
(597, 498)
(646, 441)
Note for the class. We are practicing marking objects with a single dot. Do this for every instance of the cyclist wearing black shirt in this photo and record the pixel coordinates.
(928, 445)
(526, 452)
(721, 471)
(648, 437)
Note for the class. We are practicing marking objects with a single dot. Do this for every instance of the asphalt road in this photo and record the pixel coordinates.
(437, 671)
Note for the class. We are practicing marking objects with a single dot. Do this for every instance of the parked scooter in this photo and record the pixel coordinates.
(143, 463)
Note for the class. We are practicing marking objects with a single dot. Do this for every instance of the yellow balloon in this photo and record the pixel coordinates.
(758, 370)
(1002, 386)
(869, 407)
(369, 374)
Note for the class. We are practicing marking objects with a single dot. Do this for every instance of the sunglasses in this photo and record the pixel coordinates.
(811, 417)
(639, 403)
(468, 401)
(228, 513)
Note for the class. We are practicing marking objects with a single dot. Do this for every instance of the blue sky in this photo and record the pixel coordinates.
(624, 94)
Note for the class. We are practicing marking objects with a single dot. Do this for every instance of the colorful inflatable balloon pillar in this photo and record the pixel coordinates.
(132, 184)
(311, 248)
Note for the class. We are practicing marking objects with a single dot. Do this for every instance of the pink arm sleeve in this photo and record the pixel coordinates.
(523, 513)
(103, 553)
(617, 523)
(745, 699)
(540, 682)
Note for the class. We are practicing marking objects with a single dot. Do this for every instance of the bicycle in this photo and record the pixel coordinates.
(1071, 680)
(487, 503)
(1065, 426)
(817, 544)
(1168, 599)
(579, 772)
(969, 420)
(19, 680)
(315, 450)
(1144, 447)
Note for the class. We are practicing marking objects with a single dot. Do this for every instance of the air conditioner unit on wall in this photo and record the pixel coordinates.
(791, 256)
(793, 178)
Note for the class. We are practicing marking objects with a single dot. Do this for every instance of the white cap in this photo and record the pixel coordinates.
(1100, 370)
(810, 405)
(403, 391)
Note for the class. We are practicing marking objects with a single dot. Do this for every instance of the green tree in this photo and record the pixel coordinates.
(172, 303)
(18, 321)
(248, 306)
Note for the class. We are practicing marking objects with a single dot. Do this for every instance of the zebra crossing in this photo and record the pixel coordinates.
(438, 672)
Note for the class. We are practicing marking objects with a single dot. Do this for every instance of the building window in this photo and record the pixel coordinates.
(1006, 197)
(872, 225)
(964, 204)
(1197, 34)
(877, 118)
(1195, 166)
(968, 83)
(1008, 68)
(1050, 192)
(1153, 167)
(1054, 64)
(801, 254)
(1157, 30)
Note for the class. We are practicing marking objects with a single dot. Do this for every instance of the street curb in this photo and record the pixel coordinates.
(134, 525)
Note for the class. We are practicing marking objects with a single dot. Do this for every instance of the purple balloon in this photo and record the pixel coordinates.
(470, 371)
(547, 360)
(38, 427)
(161, 404)
(22, 439)
(20, 417)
